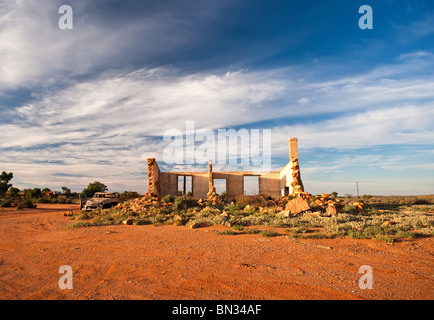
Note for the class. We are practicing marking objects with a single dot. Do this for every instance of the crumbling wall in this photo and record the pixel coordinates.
(269, 184)
(296, 184)
(211, 188)
(290, 177)
(287, 181)
(200, 184)
(154, 177)
(169, 183)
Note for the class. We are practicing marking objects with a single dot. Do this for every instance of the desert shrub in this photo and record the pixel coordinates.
(79, 224)
(318, 236)
(183, 203)
(251, 231)
(208, 211)
(251, 220)
(224, 196)
(406, 235)
(341, 230)
(299, 230)
(26, 203)
(279, 223)
(372, 231)
(5, 203)
(350, 209)
(238, 227)
(84, 215)
(384, 238)
(210, 220)
(356, 234)
(42, 200)
(142, 221)
(231, 208)
(269, 233)
(104, 221)
(168, 199)
(249, 210)
(228, 232)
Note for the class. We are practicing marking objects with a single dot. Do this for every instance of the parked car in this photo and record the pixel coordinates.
(101, 200)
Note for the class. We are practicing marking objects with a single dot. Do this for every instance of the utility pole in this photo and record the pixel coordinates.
(357, 186)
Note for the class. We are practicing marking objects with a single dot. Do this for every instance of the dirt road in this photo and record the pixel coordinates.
(176, 262)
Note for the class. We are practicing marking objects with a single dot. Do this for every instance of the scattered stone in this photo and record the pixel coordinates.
(284, 213)
(331, 209)
(195, 225)
(386, 223)
(128, 221)
(314, 214)
(297, 205)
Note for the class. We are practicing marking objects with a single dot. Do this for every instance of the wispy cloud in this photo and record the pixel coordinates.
(101, 96)
(117, 120)
(35, 52)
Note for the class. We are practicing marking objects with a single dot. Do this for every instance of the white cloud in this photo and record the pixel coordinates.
(390, 126)
(34, 51)
(113, 122)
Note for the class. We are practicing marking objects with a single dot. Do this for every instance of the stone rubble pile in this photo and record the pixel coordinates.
(302, 203)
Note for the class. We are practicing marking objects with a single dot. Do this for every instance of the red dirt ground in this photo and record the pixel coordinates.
(176, 262)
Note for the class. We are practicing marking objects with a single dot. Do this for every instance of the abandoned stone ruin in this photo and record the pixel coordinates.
(276, 183)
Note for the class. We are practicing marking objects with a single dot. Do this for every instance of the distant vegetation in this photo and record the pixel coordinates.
(29, 198)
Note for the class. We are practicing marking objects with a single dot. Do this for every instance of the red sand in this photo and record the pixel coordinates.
(176, 262)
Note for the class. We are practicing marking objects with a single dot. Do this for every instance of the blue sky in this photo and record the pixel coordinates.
(92, 103)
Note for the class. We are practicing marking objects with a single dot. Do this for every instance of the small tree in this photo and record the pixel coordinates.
(4, 182)
(33, 193)
(66, 190)
(94, 187)
(45, 190)
(13, 192)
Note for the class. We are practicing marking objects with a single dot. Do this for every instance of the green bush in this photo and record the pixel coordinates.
(26, 203)
(42, 200)
(231, 208)
(168, 198)
(269, 233)
(356, 234)
(385, 238)
(5, 203)
(228, 232)
(79, 224)
(183, 203)
(252, 231)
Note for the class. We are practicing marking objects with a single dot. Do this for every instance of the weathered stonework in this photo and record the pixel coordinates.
(274, 183)
(211, 188)
(297, 184)
(154, 187)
